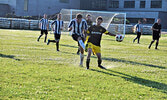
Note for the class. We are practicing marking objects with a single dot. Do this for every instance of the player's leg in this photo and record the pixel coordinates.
(40, 35)
(81, 45)
(78, 51)
(89, 55)
(157, 44)
(57, 41)
(138, 36)
(54, 41)
(135, 38)
(151, 43)
(99, 60)
(46, 33)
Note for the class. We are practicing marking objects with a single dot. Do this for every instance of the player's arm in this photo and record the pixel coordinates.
(62, 25)
(52, 26)
(141, 29)
(48, 26)
(111, 34)
(108, 33)
(160, 33)
(70, 26)
(88, 32)
(40, 24)
(153, 28)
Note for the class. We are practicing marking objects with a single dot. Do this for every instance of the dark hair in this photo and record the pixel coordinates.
(99, 18)
(78, 15)
(88, 15)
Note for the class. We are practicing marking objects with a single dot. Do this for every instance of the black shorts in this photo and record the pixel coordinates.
(75, 37)
(57, 36)
(156, 36)
(138, 34)
(44, 31)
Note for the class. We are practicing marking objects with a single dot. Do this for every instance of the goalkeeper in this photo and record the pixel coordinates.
(95, 34)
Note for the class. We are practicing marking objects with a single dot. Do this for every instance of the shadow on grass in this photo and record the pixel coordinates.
(133, 62)
(134, 79)
(9, 56)
(124, 61)
(68, 45)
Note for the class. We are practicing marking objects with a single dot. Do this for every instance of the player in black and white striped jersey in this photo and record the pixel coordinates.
(78, 26)
(57, 30)
(44, 26)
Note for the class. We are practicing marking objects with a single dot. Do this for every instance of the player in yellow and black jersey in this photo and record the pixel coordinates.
(95, 34)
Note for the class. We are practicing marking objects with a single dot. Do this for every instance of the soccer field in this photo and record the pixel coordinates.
(34, 70)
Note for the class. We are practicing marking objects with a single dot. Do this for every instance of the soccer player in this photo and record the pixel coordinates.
(139, 31)
(44, 26)
(77, 25)
(57, 31)
(89, 20)
(95, 34)
(88, 23)
(156, 33)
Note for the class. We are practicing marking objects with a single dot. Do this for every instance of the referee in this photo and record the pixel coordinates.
(156, 33)
(44, 26)
(57, 30)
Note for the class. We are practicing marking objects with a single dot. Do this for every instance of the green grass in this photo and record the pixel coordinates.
(34, 70)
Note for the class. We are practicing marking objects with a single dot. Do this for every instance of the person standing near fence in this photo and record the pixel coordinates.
(44, 26)
(139, 30)
(156, 28)
(57, 30)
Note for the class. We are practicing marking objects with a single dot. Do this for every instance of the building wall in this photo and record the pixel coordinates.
(5, 9)
(39, 7)
(146, 12)
(11, 3)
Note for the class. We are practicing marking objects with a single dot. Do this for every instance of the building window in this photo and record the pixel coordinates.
(114, 4)
(64, 1)
(129, 4)
(25, 5)
(99, 4)
(156, 4)
(142, 4)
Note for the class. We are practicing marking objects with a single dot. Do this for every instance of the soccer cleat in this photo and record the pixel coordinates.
(58, 50)
(133, 40)
(48, 42)
(37, 40)
(100, 66)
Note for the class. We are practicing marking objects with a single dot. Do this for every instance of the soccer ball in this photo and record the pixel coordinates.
(119, 38)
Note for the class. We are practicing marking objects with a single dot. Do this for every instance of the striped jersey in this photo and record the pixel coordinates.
(138, 27)
(44, 22)
(78, 28)
(58, 26)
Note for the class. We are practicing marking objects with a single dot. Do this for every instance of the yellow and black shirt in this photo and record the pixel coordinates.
(95, 34)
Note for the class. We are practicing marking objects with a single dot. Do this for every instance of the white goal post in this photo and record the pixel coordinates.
(114, 22)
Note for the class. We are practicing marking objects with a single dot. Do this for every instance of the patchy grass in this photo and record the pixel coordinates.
(34, 70)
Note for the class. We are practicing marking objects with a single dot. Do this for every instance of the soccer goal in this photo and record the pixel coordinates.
(114, 22)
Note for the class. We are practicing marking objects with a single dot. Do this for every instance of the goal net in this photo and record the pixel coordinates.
(114, 22)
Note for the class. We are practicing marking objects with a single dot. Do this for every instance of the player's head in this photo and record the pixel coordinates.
(59, 16)
(99, 20)
(44, 16)
(88, 17)
(139, 21)
(79, 17)
(158, 20)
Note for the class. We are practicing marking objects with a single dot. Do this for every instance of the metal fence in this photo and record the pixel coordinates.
(14, 23)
